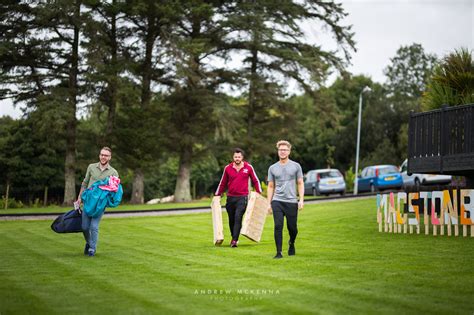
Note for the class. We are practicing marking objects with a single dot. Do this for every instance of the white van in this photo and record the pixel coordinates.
(415, 180)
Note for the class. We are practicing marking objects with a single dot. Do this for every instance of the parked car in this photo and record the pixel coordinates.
(415, 180)
(324, 182)
(379, 177)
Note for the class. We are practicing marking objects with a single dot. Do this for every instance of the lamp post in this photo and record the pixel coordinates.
(365, 89)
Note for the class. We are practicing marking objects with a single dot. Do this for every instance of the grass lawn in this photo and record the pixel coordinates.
(123, 207)
(169, 265)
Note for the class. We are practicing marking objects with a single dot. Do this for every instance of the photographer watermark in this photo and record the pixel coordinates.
(236, 294)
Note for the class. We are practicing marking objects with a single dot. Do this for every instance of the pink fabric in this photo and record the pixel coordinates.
(113, 185)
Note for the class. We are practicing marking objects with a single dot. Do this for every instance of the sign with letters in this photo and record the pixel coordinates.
(436, 211)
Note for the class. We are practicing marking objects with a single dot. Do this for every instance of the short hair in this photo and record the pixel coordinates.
(239, 150)
(283, 142)
(107, 149)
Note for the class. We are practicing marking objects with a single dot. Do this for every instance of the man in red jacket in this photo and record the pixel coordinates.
(236, 179)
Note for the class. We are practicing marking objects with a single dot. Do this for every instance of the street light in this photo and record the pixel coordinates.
(364, 90)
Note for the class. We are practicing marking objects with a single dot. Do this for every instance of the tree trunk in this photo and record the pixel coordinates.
(113, 82)
(71, 122)
(138, 187)
(7, 195)
(252, 102)
(138, 179)
(147, 62)
(182, 192)
(70, 176)
(45, 196)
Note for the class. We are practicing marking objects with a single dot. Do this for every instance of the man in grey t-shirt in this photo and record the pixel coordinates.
(283, 178)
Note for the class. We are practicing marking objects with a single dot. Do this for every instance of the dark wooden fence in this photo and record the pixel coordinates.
(442, 141)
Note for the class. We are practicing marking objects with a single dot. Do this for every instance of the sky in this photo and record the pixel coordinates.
(382, 26)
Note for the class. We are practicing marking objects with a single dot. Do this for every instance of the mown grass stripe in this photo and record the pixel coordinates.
(148, 265)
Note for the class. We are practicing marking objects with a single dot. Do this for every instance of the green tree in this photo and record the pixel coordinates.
(408, 72)
(198, 110)
(345, 92)
(8, 161)
(30, 162)
(65, 20)
(40, 64)
(147, 22)
(452, 81)
(407, 78)
(269, 37)
(106, 53)
(314, 130)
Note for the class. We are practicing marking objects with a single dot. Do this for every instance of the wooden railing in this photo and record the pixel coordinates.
(442, 141)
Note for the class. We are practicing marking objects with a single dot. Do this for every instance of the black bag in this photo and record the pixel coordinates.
(69, 222)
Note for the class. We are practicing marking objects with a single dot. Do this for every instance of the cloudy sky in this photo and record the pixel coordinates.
(382, 26)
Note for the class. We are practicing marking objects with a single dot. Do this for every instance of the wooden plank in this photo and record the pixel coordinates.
(379, 220)
(426, 218)
(379, 212)
(255, 216)
(465, 221)
(464, 230)
(392, 227)
(405, 224)
(217, 220)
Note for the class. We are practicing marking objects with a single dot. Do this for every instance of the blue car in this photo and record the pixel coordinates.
(379, 177)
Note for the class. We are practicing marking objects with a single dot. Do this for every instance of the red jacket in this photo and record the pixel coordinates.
(238, 181)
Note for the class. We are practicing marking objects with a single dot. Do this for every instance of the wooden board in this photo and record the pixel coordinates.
(217, 220)
(255, 215)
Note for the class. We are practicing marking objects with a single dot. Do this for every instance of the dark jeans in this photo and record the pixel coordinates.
(235, 209)
(290, 211)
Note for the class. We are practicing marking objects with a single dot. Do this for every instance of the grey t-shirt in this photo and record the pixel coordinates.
(284, 176)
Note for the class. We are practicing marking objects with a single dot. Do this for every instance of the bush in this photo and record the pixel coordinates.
(36, 204)
(451, 82)
(350, 176)
(12, 203)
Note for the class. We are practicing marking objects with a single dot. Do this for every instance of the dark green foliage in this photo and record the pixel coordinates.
(31, 160)
(408, 73)
(452, 82)
(157, 81)
(269, 38)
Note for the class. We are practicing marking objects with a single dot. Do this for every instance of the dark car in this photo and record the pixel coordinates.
(379, 177)
(324, 182)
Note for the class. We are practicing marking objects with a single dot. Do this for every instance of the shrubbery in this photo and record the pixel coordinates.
(12, 203)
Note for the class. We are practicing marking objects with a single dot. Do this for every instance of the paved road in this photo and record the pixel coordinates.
(153, 213)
